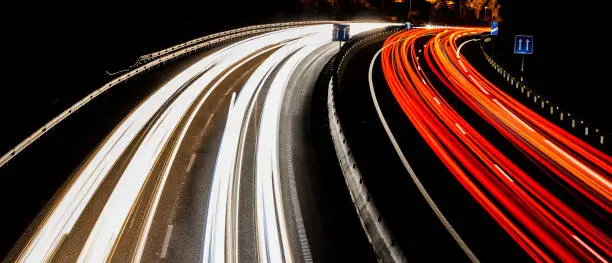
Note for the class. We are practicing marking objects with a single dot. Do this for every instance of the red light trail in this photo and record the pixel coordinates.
(543, 225)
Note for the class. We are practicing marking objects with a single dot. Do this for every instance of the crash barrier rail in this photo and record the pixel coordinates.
(536, 98)
(378, 233)
(154, 55)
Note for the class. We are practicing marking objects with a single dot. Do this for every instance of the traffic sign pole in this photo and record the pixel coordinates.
(522, 66)
(519, 40)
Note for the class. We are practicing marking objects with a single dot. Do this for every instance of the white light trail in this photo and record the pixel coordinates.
(274, 243)
(117, 209)
(223, 176)
(68, 209)
(270, 215)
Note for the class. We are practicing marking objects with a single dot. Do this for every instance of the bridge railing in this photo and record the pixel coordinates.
(154, 55)
(155, 59)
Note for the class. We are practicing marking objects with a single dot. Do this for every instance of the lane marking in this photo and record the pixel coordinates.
(481, 88)
(463, 66)
(504, 173)
(513, 115)
(166, 241)
(462, 131)
(190, 165)
(413, 176)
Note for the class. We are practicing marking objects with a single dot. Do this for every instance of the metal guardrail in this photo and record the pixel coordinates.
(371, 220)
(536, 98)
(377, 232)
(154, 55)
(161, 58)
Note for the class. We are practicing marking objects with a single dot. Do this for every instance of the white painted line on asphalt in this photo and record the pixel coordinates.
(462, 131)
(514, 116)
(413, 176)
(477, 84)
(166, 241)
(189, 166)
(208, 122)
(504, 173)
(463, 66)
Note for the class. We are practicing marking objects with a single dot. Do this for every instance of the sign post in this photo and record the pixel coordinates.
(523, 45)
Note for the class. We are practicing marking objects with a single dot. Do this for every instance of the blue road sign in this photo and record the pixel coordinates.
(523, 44)
(494, 28)
(341, 32)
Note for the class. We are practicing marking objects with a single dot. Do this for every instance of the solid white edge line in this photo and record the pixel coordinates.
(413, 175)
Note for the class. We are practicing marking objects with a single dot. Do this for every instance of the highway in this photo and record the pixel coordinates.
(171, 181)
(242, 156)
(546, 227)
(453, 162)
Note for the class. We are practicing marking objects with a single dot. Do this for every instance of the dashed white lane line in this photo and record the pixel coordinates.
(166, 241)
(190, 165)
(462, 131)
(504, 173)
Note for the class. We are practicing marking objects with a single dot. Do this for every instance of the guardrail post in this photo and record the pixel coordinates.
(561, 117)
(551, 110)
(542, 104)
(586, 131)
(601, 139)
(573, 123)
